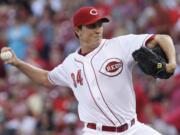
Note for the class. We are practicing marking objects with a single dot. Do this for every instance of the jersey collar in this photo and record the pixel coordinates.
(90, 54)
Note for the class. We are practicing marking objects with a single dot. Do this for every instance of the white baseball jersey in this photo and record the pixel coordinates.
(102, 80)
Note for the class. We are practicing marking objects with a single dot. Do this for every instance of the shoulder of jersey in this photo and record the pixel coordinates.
(69, 58)
(123, 37)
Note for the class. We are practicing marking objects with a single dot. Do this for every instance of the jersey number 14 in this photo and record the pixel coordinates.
(77, 79)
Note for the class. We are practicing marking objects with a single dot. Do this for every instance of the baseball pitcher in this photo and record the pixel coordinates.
(100, 75)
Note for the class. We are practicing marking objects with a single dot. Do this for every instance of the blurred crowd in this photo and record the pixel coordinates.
(41, 33)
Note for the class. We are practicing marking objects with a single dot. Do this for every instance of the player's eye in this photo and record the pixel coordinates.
(94, 25)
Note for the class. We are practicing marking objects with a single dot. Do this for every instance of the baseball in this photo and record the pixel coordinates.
(6, 55)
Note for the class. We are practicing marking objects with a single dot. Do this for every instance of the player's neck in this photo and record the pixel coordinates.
(87, 47)
(82, 53)
(85, 51)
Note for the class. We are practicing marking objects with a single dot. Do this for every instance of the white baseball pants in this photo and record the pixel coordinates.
(137, 129)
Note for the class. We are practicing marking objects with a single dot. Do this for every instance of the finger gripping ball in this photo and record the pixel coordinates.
(6, 55)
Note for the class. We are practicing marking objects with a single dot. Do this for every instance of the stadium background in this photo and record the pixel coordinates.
(40, 32)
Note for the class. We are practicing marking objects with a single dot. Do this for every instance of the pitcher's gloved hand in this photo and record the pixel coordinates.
(152, 62)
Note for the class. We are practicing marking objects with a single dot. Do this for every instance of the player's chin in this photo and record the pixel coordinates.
(97, 40)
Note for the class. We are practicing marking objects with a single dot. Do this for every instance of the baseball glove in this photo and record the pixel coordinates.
(152, 62)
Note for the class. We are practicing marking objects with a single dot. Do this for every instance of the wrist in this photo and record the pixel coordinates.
(17, 63)
(173, 62)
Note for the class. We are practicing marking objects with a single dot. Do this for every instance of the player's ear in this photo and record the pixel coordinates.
(77, 31)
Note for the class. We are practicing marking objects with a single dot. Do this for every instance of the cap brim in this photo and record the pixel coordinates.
(105, 20)
(102, 19)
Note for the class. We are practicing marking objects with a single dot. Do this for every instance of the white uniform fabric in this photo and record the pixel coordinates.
(102, 80)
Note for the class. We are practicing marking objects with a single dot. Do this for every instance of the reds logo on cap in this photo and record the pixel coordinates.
(93, 12)
(112, 67)
(88, 15)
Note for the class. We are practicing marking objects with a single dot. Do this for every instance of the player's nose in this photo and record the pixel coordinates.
(98, 30)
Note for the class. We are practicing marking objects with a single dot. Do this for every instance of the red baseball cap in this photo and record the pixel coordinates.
(87, 15)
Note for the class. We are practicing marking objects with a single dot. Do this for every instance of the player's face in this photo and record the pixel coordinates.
(90, 36)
